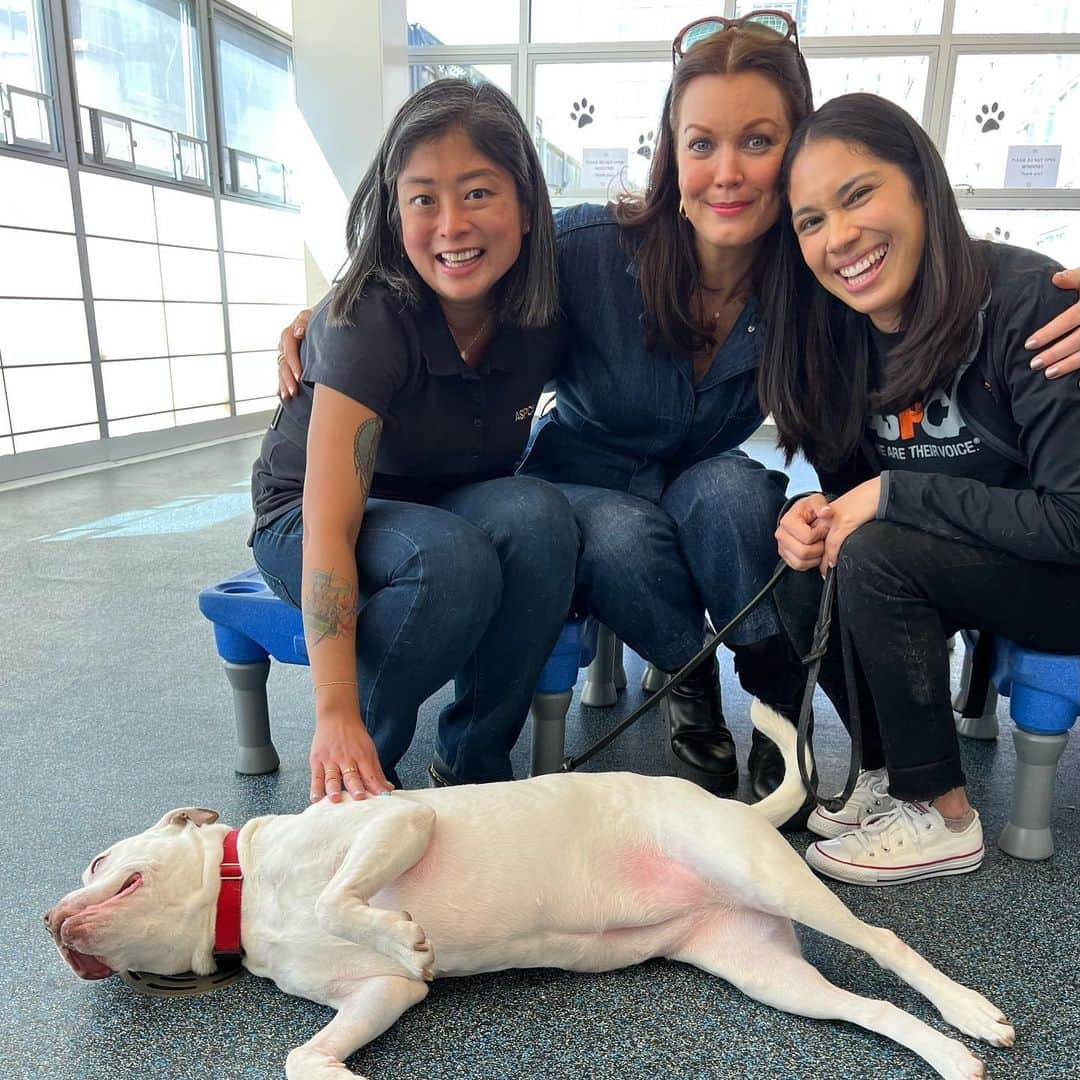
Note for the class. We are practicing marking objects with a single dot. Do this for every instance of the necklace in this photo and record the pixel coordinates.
(464, 349)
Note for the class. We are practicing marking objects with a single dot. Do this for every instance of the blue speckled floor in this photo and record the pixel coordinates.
(113, 708)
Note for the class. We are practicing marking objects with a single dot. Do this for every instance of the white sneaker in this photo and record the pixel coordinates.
(909, 843)
(871, 796)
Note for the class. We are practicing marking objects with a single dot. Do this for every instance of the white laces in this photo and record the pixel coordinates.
(906, 824)
(875, 781)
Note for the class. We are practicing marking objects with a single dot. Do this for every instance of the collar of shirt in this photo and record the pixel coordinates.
(441, 353)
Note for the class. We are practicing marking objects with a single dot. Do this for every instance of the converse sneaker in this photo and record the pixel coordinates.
(871, 796)
(909, 843)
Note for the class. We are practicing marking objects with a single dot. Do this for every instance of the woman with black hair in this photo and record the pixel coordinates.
(896, 362)
(386, 506)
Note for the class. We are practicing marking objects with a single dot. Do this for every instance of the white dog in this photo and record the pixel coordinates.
(587, 872)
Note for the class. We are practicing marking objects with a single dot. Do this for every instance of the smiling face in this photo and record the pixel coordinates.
(861, 228)
(461, 220)
(730, 134)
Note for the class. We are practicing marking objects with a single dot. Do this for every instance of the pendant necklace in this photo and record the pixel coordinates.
(464, 350)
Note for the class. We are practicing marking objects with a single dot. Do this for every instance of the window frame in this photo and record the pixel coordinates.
(229, 184)
(55, 148)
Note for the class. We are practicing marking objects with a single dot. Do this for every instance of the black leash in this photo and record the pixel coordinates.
(812, 660)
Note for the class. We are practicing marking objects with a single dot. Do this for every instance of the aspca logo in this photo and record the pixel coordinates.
(524, 414)
(937, 416)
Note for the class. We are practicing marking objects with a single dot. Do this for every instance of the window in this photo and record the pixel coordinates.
(277, 13)
(423, 74)
(27, 116)
(257, 100)
(140, 87)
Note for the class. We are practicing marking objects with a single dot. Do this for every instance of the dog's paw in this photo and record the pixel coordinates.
(968, 1011)
(403, 940)
(955, 1061)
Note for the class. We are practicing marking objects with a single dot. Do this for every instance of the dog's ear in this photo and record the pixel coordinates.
(197, 815)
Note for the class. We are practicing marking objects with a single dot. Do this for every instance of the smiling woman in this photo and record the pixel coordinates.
(385, 504)
(950, 467)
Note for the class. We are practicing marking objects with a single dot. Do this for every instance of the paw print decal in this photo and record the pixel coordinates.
(989, 117)
(1001, 234)
(644, 148)
(582, 112)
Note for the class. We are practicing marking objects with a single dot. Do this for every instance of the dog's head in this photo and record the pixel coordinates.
(147, 903)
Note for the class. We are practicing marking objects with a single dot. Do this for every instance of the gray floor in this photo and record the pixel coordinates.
(113, 708)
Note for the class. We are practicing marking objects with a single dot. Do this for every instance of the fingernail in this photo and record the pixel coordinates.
(1054, 373)
(1038, 363)
(299, 331)
(1032, 342)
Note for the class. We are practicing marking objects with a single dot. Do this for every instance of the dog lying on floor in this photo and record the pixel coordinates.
(587, 872)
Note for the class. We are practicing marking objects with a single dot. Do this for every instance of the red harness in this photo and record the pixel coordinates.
(227, 925)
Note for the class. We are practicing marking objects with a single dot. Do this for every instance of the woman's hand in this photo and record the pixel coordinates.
(1062, 357)
(343, 757)
(800, 536)
(288, 369)
(844, 515)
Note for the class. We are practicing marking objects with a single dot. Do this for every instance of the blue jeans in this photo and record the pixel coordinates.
(474, 587)
(649, 570)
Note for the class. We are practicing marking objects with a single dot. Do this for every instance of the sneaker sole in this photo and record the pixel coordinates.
(857, 874)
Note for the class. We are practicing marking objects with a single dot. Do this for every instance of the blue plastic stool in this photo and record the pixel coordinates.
(251, 625)
(1044, 700)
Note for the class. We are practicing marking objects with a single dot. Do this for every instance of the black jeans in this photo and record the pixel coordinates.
(900, 594)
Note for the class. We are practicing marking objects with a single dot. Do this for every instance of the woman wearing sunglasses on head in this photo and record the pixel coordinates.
(386, 505)
(951, 468)
(656, 386)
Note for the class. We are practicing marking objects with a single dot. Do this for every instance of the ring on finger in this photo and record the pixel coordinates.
(333, 778)
(345, 772)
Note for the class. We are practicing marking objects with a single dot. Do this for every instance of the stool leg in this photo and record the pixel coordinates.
(1027, 836)
(653, 678)
(599, 689)
(255, 751)
(618, 671)
(549, 730)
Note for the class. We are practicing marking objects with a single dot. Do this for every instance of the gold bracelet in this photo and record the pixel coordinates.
(335, 682)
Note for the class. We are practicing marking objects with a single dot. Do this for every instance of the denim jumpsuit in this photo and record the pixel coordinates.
(674, 518)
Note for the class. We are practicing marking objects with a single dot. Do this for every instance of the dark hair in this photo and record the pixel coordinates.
(527, 294)
(814, 376)
(661, 239)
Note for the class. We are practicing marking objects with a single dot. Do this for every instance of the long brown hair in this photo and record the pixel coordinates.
(814, 375)
(527, 293)
(661, 240)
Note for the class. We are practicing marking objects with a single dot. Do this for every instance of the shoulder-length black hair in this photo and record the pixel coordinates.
(527, 294)
(813, 377)
(659, 237)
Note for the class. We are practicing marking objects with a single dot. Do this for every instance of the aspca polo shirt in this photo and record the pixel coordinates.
(444, 424)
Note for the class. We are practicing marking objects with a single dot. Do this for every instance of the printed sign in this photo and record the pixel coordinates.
(1032, 167)
(599, 166)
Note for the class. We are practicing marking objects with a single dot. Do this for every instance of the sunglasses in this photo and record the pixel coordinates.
(780, 22)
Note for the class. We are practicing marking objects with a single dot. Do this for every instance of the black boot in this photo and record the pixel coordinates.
(700, 747)
(772, 671)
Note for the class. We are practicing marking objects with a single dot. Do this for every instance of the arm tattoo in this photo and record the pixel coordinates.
(329, 606)
(365, 447)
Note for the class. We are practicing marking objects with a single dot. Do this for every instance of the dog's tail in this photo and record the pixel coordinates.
(788, 797)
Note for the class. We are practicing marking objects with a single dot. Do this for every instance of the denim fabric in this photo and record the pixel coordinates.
(648, 571)
(673, 518)
(626, 418)
(474, 587)
(901, 592)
